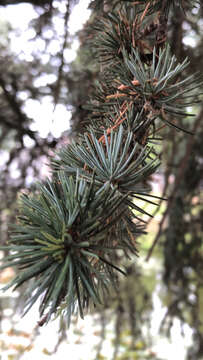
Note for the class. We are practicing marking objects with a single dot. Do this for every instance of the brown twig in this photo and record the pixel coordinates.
(117, 123)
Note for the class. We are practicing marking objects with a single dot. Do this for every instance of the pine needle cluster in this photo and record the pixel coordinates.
(75, 230)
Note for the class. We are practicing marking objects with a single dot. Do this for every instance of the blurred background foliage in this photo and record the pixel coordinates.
(171, 255)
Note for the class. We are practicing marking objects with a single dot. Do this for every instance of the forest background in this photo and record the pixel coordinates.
(172, 272)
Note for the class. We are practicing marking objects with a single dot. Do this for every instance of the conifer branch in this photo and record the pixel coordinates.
(69, 232)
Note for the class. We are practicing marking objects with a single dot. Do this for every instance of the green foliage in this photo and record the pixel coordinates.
(75, 230)
(158, 84)
(63, 241)
(115, 162)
